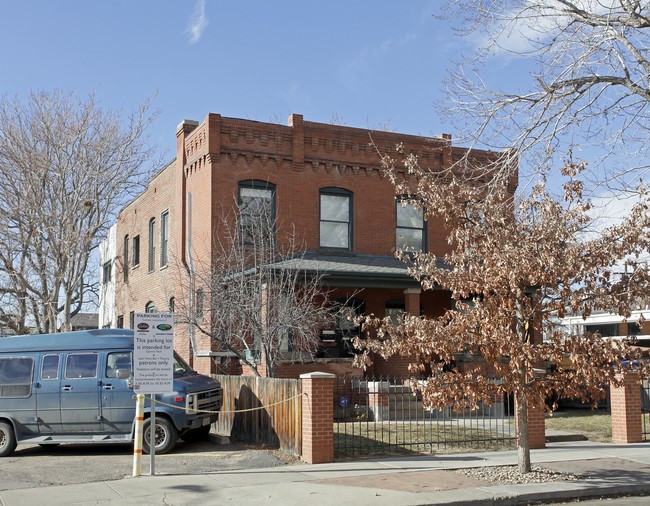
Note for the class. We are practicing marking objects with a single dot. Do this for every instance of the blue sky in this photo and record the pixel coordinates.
(365, 63)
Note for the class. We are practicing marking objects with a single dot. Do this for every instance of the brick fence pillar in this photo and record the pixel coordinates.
(626, 410)
(536, 424)
(317, 417)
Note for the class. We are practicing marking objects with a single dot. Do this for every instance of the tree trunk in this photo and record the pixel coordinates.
(523, 444)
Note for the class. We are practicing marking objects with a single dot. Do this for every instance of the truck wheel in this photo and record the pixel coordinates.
(7, 439)
(194, 435)
(166, 435)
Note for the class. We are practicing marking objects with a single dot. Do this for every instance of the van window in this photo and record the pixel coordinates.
(115, 361)
(50, 367)
(81, 365)
(16, 376)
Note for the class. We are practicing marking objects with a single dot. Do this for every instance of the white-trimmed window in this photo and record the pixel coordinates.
(410, 232)
(336, 219)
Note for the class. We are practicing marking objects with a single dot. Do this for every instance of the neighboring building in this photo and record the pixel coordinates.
(611, 325)
(324, 179)
(108, 266)
(84, 321)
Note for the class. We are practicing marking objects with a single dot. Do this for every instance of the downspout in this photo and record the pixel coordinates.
(197, 352)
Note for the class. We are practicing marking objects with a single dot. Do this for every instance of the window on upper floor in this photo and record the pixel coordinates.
(256, 211)
(152, 244)
(150, 307)
(106, 272)
(136, 251)
(164, 238)
(410, 232)
(126, 259)
(336, 218)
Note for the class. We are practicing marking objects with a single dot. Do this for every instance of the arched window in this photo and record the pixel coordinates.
(172, 304)
(150, 307)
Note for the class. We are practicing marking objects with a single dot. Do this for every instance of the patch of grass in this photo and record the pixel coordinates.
(596, 425)
(409, 438)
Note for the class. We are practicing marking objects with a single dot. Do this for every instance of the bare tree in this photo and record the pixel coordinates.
(66, 165)
(514, 270)
(253, 297)
(589, 82)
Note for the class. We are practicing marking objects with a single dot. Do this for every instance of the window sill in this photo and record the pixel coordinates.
(336, 252)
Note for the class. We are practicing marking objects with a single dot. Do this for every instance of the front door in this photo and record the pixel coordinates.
(80, 394)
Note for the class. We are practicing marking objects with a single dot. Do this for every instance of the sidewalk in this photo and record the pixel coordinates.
(604, 469)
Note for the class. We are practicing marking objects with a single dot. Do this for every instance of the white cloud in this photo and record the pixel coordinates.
(197, 23)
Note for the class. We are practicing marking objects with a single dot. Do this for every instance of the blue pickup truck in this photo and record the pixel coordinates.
(76, 387)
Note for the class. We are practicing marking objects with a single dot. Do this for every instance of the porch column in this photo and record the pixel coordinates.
(412, 301)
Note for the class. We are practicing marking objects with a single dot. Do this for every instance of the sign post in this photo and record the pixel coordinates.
(153, 360)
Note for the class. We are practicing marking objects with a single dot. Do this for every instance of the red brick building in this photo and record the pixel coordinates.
(324, 179)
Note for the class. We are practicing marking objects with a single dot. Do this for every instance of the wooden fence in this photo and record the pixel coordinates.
(261, 411)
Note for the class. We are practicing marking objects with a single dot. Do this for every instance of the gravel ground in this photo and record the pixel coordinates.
(509, 475)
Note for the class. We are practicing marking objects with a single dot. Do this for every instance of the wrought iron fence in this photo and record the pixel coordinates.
(380, 416)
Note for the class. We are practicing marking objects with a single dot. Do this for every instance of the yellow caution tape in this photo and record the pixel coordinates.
(223, 412)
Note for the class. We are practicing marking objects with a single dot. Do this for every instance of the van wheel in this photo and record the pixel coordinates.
(166, 435)
(7, 439)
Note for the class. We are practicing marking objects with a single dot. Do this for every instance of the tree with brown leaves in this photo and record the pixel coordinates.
(515, 268)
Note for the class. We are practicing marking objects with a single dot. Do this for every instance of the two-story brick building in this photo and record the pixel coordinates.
(324, 179)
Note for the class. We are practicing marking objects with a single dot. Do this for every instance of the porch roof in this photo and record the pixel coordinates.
(367, 271)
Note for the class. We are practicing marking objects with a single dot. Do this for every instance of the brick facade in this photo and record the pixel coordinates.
(299, 160)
